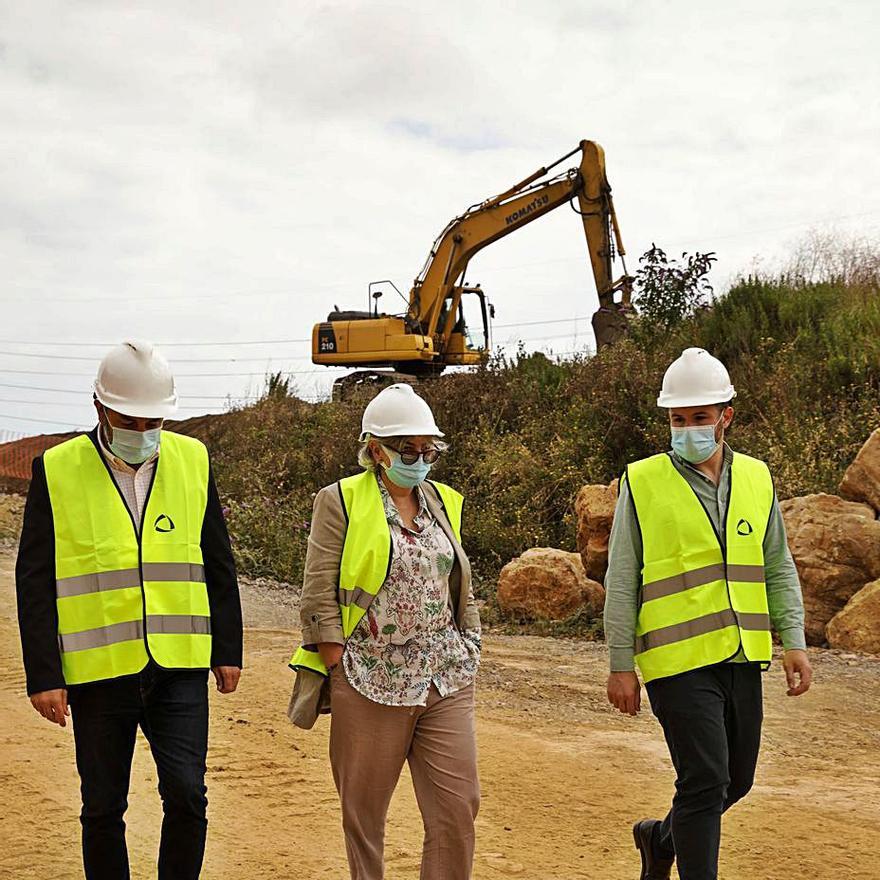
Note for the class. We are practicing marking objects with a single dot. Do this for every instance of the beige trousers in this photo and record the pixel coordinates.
(369, 743)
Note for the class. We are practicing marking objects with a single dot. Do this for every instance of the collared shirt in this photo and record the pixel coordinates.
(408, 639)
(623, 581)
(133, 483)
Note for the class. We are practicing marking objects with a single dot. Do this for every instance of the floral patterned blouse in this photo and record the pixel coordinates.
(408, 639)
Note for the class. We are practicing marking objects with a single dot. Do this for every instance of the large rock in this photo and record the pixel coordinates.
(594, 507)
(861, 482)
(836, 546)
(548, 584)
(857, 626)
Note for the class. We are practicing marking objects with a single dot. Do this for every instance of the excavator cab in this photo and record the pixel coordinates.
(463, 327)
(460, 336)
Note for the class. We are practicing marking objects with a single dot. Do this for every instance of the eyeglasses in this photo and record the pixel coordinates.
(428, 456)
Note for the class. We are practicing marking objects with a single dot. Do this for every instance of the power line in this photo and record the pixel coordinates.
(190, 408)
(162, 344)
(80, 391)
(39, 402)
(230, 342)
(91, 358)
(42, 421)
(234, 358)
(575, 318)
(513, 338)
(263, 373)
(310, 399)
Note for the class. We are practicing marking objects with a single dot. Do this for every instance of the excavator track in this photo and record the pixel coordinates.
(346, 387)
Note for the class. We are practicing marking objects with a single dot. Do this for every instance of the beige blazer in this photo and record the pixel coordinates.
(319, 606)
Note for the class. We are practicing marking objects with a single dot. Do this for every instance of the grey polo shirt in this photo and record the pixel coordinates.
(623, 581)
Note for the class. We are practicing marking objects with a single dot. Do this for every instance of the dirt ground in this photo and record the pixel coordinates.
(562, 775)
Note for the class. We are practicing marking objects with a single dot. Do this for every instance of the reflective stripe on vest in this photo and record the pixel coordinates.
(123, 596)
(701, 603)
(368, 549)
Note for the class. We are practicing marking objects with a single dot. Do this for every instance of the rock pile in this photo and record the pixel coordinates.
(834, 540)
(836, 547)
(856, 625)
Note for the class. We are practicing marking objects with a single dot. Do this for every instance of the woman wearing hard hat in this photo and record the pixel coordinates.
(392, 640)
(699, 571)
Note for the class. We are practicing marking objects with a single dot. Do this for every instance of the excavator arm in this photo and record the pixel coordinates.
(587, 185)
(433, 334)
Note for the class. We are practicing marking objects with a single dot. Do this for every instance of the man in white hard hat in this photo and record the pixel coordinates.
(698, 572)
(127, 595)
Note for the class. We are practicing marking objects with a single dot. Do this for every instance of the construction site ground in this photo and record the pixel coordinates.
(563, 776)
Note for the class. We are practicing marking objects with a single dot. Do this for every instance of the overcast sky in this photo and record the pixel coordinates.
(217, 172)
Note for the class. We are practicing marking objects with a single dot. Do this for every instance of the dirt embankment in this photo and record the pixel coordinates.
(562, 775)
(11, 511)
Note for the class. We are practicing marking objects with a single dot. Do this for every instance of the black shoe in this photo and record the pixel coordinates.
(653, 867)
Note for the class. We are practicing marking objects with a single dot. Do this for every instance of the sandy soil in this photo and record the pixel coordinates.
(562, 775)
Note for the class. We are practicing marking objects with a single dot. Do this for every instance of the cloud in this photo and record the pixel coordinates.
(360, 59)
(464, 142)
(204, 172)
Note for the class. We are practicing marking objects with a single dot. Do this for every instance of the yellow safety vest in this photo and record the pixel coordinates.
(125, 594)
(368, 551)
(702, 601)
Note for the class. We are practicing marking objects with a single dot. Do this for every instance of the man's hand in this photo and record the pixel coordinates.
(331, 653)
(798, 672)
(52, 705)
(227, 678)
(625, 692)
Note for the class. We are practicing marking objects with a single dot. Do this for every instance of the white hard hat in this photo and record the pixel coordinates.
(134, 379)
(397, 411)
(695, 379)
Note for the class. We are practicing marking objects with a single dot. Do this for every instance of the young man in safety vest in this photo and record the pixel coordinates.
(698, 571)
(127, 595)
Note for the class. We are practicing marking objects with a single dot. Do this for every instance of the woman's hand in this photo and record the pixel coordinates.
(331, 653)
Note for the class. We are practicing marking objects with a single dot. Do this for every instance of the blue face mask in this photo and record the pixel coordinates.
(696, 444)
(134, 447)
(407, 476)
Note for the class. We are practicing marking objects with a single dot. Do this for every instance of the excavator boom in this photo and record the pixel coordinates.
(518, 206)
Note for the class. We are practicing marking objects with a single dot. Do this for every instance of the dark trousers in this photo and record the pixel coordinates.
(172, 710)
(711, 718)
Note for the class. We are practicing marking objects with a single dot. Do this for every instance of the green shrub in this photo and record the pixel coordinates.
(526, 433)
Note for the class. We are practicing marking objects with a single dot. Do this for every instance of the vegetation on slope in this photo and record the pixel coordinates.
(526, 433)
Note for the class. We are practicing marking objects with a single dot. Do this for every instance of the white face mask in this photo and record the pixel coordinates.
(696, 444)
(134, 447)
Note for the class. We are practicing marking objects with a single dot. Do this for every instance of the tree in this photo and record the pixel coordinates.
(667, 291)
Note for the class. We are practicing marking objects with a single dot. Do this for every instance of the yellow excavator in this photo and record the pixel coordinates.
(448, 323)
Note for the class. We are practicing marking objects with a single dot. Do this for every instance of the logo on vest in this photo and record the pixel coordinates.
(744, 527)
(164, 523)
